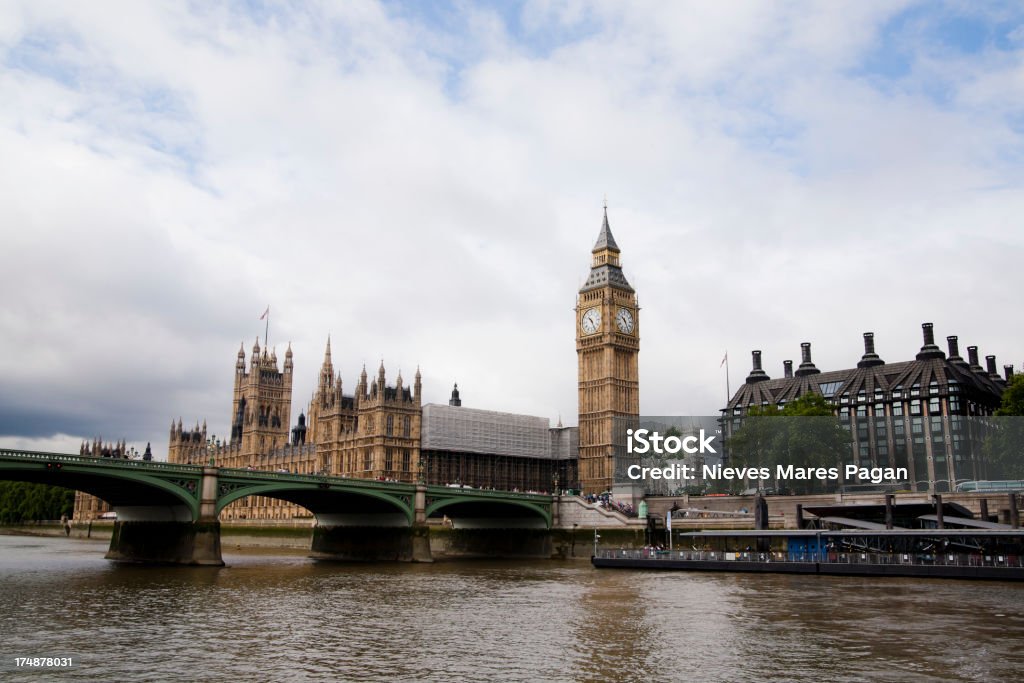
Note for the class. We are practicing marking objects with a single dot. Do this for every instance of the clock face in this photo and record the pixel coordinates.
(624, 320)
(591, 320)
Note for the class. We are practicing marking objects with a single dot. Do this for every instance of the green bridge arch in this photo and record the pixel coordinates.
(272, 489)
(542, 511)
(81, 473)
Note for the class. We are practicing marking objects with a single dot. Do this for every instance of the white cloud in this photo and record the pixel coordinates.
(427, 190)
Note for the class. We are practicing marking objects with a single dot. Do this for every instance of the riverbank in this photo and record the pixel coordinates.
(445, 542)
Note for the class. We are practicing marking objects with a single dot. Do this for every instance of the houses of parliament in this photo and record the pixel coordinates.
(385, 431)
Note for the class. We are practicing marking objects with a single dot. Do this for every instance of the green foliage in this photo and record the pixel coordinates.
(753, 445)
(22, 502)
(808, 405)
(1013, 398)
(1003, 449)
(808, 435)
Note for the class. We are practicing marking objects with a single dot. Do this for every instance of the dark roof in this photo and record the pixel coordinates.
(606, 274)
(876, 513)
(605, 239)
(886, 377)
(856, 523)
(856, 533)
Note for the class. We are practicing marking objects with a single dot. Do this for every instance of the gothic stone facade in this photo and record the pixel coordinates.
(373, 433)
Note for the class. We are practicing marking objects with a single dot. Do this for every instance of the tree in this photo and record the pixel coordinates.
(754, 443)
(809, 435)
(1004, 446)
(1013, 398)
(21, 501)
(808, 405)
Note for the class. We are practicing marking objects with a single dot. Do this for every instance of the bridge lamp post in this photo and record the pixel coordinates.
(596, 537)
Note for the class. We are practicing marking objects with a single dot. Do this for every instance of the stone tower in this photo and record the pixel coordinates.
(261, 407)
(373, 433)
(607, 348)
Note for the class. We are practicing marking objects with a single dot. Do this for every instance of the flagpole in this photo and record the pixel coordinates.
(266, 329)
(728, 391)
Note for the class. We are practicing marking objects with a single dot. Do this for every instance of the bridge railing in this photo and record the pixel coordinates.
(264, 475)
(435, 490)
(487, 493)
(117, 463)
(261, 475)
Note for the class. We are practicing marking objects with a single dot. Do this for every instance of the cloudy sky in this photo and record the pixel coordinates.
(424, 183)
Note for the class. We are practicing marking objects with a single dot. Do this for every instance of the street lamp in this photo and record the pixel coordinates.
(596, 536)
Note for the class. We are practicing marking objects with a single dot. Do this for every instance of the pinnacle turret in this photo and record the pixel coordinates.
(606, 269)
(605, 239)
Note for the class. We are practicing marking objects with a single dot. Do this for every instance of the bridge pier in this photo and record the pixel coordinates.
(494, 542)
(420, 531)
(375, 537)
(150, 542)
(168, 535)
(348, 543)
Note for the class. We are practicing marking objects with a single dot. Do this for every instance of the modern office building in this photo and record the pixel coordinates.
(926, 414)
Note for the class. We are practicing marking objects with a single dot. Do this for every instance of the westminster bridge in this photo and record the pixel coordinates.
(169, 513)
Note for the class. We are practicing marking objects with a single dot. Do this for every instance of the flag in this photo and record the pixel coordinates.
(265, 313)
(668, 520)
(725, 358)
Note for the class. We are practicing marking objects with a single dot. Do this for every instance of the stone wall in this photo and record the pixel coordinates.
(573, 510)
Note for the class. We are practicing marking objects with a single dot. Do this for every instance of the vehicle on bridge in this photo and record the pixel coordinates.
(1004, 486)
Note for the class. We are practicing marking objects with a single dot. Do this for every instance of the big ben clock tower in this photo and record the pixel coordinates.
(607, 346)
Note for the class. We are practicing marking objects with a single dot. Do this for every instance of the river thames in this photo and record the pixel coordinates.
(275, 616)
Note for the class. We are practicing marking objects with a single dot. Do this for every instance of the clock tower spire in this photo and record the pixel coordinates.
(607, 349)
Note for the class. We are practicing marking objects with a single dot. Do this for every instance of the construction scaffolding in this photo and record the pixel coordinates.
(488, 449)
(468, 430)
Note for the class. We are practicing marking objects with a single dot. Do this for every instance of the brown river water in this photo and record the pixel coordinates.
(275, 616)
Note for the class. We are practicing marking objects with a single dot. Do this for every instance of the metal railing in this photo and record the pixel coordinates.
(825, 557)
(312, 477)
(92, 460)
(264, 475)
